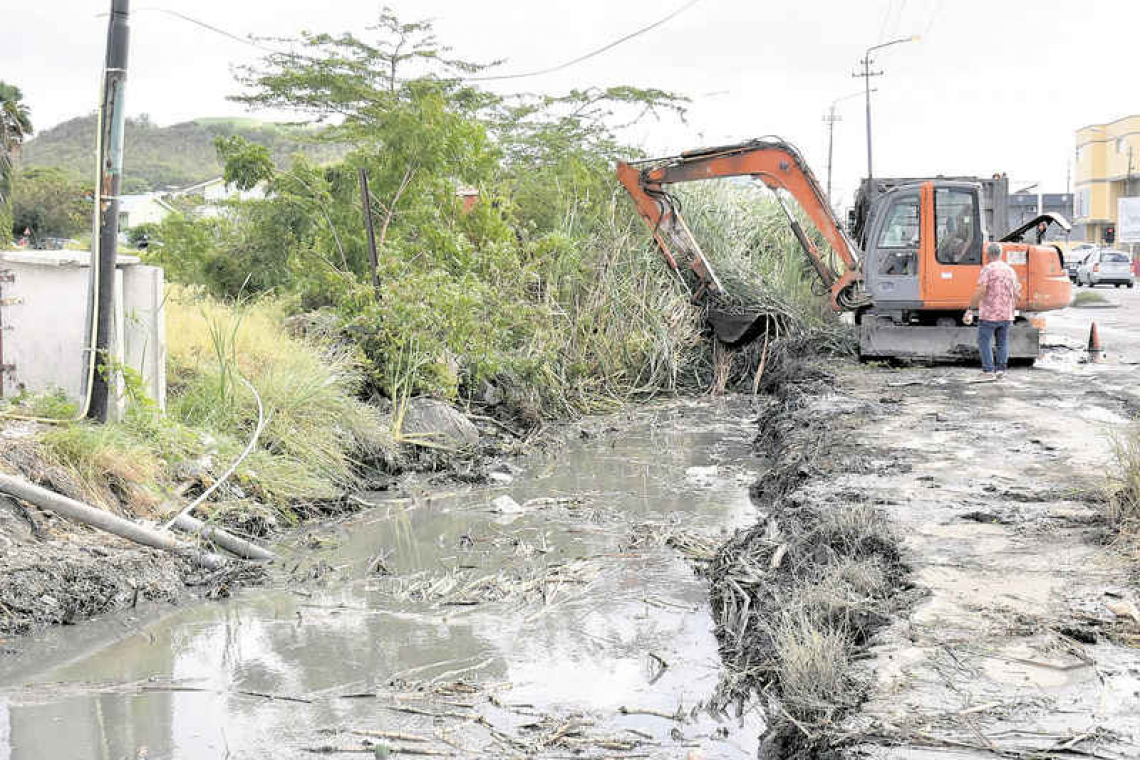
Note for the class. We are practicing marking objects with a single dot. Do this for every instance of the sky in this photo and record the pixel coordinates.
(991, 85)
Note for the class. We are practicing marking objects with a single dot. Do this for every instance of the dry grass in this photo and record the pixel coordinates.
(318, 436)
(812, 665)
(853, 529)
(1121, 504)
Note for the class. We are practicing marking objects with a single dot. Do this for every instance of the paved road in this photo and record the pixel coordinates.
(1117, 327)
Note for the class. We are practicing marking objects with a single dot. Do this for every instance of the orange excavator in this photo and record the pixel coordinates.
(909, 286)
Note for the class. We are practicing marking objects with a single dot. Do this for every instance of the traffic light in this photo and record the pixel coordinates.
(1110, 234)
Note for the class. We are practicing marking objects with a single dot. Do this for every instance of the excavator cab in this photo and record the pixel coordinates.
(915, 230)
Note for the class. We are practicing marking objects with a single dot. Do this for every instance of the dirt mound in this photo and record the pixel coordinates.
(795, 596)
(48, 578)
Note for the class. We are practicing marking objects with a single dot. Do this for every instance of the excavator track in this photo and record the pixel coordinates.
(879, 339)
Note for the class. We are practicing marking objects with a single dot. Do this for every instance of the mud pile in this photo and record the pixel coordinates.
(797, 596)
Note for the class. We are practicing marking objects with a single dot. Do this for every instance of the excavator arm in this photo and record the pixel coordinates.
(775, 163)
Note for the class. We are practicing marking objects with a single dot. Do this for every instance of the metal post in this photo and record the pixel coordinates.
(867, 81)
(830, 145)
(110, 175)
(867, 74)
(366, 201)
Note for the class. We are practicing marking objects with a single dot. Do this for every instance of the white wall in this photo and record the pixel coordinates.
(43, 315)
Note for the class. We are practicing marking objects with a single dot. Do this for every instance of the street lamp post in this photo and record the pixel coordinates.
(867, 74)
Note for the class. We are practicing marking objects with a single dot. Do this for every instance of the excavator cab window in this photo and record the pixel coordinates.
(899, 237)
(958, 232)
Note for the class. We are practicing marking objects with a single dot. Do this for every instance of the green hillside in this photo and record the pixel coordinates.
(158, 158)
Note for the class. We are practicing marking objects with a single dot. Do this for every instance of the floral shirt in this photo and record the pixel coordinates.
(1002, 291)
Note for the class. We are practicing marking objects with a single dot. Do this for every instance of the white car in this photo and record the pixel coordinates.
(1106, 267)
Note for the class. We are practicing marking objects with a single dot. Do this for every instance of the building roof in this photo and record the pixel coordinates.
(197, 187)
(129, 203)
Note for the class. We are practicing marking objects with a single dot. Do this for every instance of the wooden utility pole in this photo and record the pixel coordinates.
(105, 253)
(366, 201)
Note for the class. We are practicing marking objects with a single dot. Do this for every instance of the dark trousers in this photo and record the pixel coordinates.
(994, 357)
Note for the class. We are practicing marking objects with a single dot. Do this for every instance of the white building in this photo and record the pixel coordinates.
(148, 208)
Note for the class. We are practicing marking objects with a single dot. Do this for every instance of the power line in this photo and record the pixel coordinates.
(592, 53)
(216, 30)
(886, 17)
(898, 16)
(933, 15)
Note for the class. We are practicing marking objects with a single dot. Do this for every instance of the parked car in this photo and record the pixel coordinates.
(1106, 267)
(1075, 256)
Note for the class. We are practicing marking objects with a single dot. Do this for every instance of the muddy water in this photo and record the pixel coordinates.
(333, 651)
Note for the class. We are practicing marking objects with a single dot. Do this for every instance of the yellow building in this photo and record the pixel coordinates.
(1107, 169)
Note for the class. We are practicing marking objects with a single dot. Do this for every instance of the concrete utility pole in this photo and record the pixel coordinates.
(831, 117)
(866, 74)
(111, 127)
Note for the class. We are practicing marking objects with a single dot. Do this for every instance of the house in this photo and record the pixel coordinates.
(216, 189)
(147, 208)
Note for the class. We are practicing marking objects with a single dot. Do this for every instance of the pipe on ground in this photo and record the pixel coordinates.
(227, 541)
(105, 521)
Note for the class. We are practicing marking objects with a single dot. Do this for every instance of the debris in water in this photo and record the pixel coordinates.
(506, 505)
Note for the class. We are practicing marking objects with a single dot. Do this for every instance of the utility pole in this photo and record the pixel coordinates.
(866, 74)
(111, 126)
(366, 202)
(830, 118)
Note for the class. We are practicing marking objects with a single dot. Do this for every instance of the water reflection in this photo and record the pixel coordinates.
(587, 649)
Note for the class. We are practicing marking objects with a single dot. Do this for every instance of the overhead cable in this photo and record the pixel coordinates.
(589, 55)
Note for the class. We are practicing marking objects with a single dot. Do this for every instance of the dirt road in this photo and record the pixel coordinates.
(1014, 648)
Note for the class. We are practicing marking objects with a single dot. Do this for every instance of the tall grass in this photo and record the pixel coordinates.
(1122, 493)
(622, 325)
(317, 437)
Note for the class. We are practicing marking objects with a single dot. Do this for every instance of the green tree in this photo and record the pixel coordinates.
(49, 203)
(15, 127)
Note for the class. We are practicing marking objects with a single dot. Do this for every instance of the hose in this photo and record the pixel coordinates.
(261, 420)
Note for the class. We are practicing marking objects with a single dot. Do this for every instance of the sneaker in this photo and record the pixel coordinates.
(1000, 374)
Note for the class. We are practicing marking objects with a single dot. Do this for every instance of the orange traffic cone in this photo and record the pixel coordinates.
(1096, 353)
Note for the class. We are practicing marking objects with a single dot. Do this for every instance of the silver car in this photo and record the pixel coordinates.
(1106, 267)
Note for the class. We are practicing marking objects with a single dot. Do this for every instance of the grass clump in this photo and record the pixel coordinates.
(1086, 297)
(1121, 505)
(812, 664)
(318, 437)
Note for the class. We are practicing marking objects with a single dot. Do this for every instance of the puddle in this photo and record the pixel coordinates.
(264, 673)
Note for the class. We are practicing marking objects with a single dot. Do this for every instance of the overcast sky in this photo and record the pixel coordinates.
(993, 85)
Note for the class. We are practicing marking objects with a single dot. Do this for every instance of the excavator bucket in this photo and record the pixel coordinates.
(736, 328)
(880, 339)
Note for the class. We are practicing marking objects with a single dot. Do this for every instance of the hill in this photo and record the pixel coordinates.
(159, 158)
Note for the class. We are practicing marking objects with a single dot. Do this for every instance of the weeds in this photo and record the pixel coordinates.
(1121, 504)
(1086, 297)
(317, 439)
(811, 664)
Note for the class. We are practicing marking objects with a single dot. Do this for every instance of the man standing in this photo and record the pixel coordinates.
(995, 299)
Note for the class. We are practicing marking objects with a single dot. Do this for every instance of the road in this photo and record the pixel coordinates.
(1117, 326)
(1016, 648)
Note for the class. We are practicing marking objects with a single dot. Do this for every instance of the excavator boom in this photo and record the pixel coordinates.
(780, 167)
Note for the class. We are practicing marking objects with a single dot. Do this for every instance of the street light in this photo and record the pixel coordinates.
(867, 74)
(831, 118)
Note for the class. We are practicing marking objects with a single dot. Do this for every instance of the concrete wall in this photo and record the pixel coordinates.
(43, 313)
